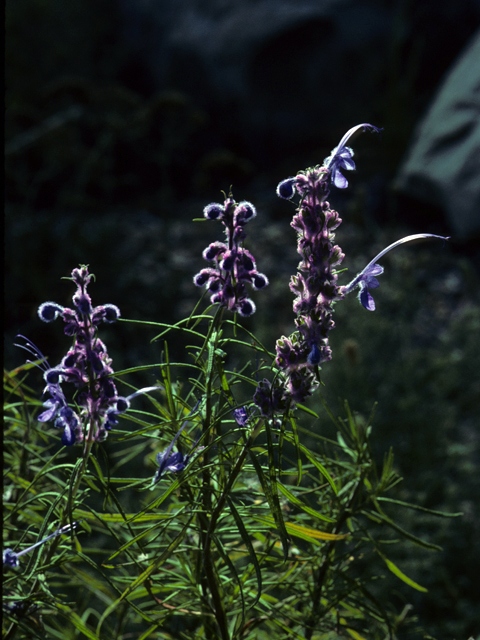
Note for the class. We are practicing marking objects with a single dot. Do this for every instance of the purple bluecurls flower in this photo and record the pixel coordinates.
(366, 279)
(122, 405)
(315, 285)
(241, 416)
(56, 407)
(86, 366)
(234, 267)
(341, 157)
(10, 557)
(173, 462)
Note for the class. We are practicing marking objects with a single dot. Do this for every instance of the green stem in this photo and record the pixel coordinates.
(209, 579)
(322, 572)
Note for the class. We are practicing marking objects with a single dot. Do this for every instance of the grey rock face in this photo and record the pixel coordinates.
(442, 167)
(277, 70)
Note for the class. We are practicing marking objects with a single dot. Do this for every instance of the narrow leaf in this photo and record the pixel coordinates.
(394, 569)
(251, 551)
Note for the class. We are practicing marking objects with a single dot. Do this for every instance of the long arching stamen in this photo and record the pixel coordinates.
(417, 236)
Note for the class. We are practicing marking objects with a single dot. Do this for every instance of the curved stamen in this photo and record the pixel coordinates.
(33, 350)
(417, 236)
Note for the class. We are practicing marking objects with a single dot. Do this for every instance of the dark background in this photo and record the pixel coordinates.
(124, 118)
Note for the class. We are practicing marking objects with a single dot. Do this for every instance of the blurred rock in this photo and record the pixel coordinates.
(276, 71)
(442, 167)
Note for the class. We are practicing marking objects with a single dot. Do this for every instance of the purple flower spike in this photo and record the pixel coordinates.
(366, 279)
(315, 285)
(234, 267)
(86, 366)
(341, 157)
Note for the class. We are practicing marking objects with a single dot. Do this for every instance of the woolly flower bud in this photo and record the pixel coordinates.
(53, 376)
(83, 302)
(123, 404)
(248, 260)
(49, 311)
(81, 277)
(228, 261)
(286, 188)
(213, 249)
(203, 276)
(244, 212)
(112, 313)
(259, 281)
(246, 308)
(214, 211)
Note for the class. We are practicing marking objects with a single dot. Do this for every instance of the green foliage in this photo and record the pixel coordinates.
(277, 532)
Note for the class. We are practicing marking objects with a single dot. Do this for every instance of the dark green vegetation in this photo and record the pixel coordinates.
(102, 173)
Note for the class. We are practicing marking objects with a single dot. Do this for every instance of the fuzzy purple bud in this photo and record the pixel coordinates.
(112, 313)
(49, 311)
(286, 188)
(214, 211)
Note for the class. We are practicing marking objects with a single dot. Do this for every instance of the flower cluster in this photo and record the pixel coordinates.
(315, 285)
(234, 266)
(86, 365)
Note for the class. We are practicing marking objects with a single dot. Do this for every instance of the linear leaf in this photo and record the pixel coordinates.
(297, 502)
(417, 507)
(395, 570)
(315, 462)
(273, 503)
(300, 531)
(248, 543)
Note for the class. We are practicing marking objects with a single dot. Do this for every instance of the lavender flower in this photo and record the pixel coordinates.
(173, 462)
(341, 156)
(241, 416)
(10, 557)
(86, 365)
(234, 266)
(315, 285)
(56, 407)
(366, 279)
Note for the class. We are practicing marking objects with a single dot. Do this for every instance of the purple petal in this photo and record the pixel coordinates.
(374, 270)
(371, 282)
(366, 299)
(346, 163)
(50, 413)
(339, 180)
(68, 437)
(241, 416)
(314, 356)
(175, 462)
